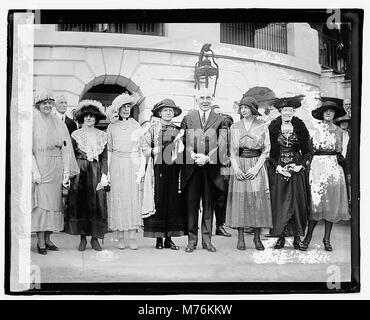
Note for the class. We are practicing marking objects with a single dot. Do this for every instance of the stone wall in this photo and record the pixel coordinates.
(162, 67)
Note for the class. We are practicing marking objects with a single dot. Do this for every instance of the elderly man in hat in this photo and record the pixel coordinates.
(204, 136)
(61, 106)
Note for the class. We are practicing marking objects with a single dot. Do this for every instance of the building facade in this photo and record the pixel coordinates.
(157, 61)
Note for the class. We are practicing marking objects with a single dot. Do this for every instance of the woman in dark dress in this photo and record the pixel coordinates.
(167, 219)
(290, 157)
(86, 207)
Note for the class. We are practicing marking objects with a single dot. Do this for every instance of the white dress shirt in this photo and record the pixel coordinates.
(207, 115)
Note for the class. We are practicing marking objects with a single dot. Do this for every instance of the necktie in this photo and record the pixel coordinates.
(204, 118)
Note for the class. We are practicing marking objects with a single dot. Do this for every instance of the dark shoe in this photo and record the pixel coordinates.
(240, 245)
(220, 231)
(298, 245)
(159, 244)
(170, 245)
(259, 245)
(327, 245)
(209, 247)
(82, 246)
(190, 248)
(306, 242)
(41, 250)
(280, 243)
(95, 244)
(51, 247)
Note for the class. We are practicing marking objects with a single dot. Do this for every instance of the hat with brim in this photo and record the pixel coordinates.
(249, 102)
(166, 103)
(339, 120)
(326, 105)
(289, 102)
(91, 107)
(123, 99)
(42, 95)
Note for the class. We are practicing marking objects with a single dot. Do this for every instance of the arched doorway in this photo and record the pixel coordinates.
(106, 93)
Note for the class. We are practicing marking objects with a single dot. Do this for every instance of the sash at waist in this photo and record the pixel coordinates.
(126, 154)
(249, 153)
(55, 152)
(325, 153)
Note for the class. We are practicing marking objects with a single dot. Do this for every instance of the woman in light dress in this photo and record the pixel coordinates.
(248, 202)
(124, 139)
(53, 163)
(328, 186)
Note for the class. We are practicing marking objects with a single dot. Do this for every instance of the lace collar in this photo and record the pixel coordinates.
(92, 148)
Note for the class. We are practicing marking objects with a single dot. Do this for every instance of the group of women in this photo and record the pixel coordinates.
(121, 179)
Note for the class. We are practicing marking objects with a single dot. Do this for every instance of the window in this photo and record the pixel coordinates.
(153, 29)
(266, 36)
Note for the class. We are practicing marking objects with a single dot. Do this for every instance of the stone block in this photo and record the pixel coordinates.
(187, 60)
(130, 62)
(68, 53)
(53, 68)
(70, 84)
(94, 58)
(42, 53)
(112, 60)
(83, 72)
(155, 57)
(171, 73)
(42, 82)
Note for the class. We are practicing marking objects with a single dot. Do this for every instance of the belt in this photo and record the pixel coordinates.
(249, 153)
(325, 153)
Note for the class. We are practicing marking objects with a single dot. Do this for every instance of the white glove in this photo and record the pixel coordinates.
(180, 147)
(104, 180)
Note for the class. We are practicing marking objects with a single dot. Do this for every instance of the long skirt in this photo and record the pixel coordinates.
(290, 203)
(328, 190)
(248, 201)
(123, 199)
(47, 205)
(169, 219)
(86, 208)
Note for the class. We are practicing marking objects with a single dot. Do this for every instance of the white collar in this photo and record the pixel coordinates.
(60, 116)
(206, 112)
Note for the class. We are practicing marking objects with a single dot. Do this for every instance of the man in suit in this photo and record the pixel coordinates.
(204, 139)
(61, 105)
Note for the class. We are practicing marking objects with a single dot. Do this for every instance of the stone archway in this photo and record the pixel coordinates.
(105, 91)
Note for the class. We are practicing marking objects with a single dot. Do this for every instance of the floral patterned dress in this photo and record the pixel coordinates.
(328, 187)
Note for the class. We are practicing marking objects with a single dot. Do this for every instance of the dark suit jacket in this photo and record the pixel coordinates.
(209, 140)
(71, 125)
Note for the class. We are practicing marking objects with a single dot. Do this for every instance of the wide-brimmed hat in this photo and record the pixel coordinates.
(339, 120)
(249, 102)
(290, 102)
(42, 95)
(92, 107)
(166, 103)
(123, 99)
(326, 105)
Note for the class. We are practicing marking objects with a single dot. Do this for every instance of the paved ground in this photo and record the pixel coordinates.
(227, 264)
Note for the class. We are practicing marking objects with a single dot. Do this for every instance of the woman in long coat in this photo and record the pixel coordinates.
(86, 207)
(124, 139)
(168, 219)
(328, 186)
(248, 202)
(290, 157)
(53, 163)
